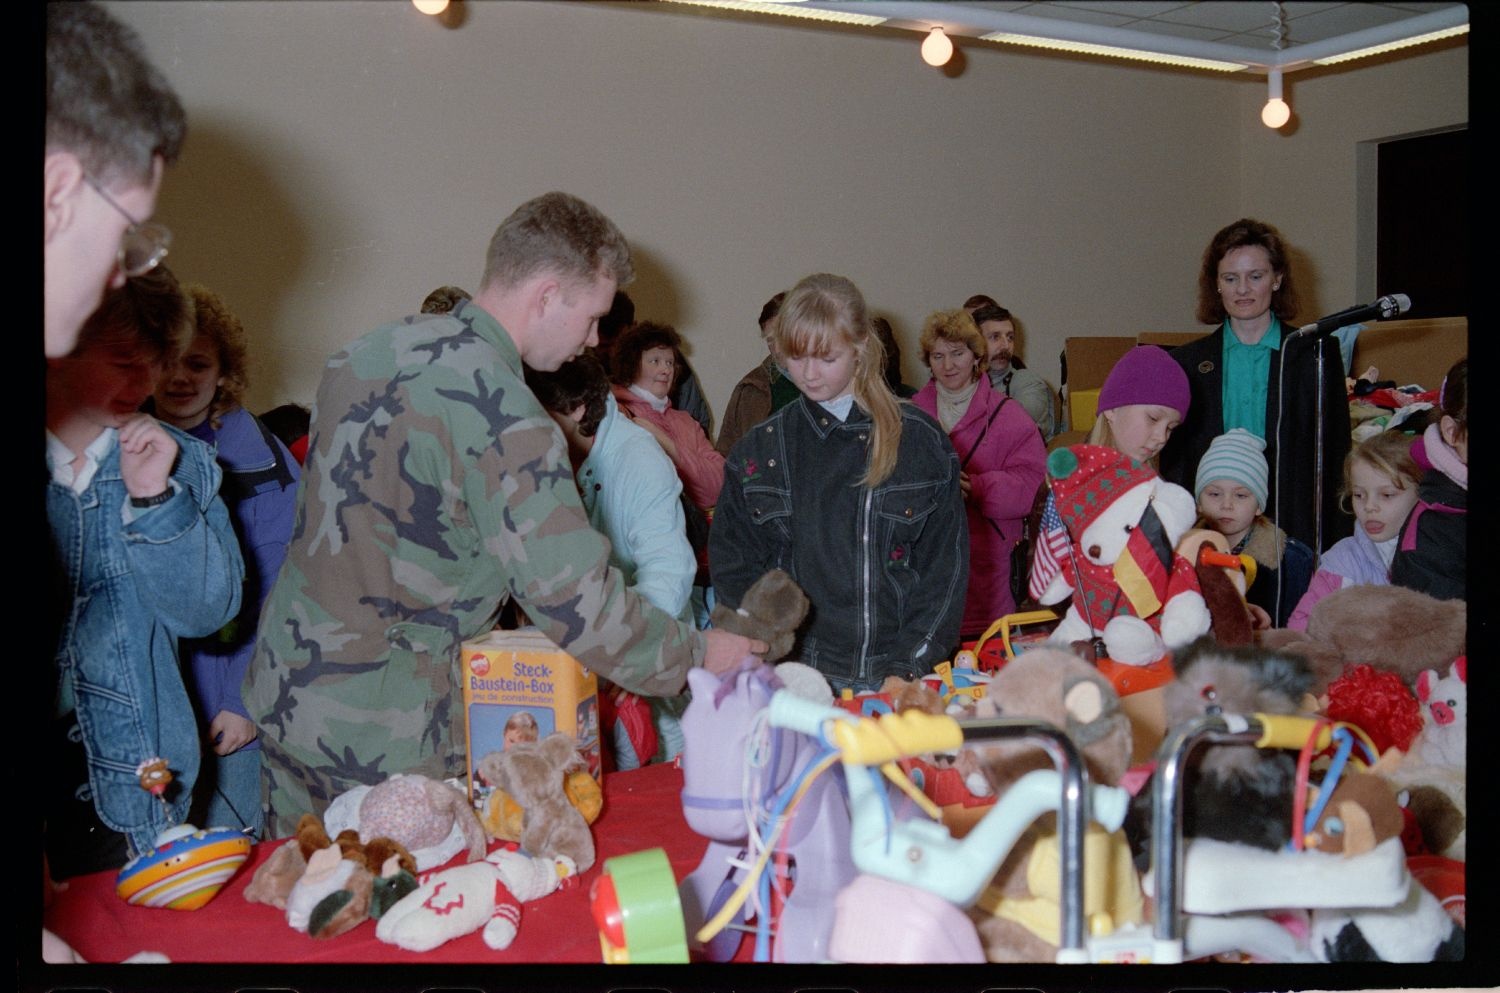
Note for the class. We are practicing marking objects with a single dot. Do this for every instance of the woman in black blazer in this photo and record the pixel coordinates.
(1245, 287)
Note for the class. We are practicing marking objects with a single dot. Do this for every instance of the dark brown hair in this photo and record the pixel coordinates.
(150, 308)
(1244, 233)
(444, 299)
(577, 382)
(1453, 398)
(635, 341)
(769, 311)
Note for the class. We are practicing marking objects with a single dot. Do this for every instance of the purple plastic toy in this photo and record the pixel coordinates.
(717, 727)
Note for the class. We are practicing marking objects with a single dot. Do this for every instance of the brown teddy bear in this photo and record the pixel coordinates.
(504, 819)
(1018, 916)
(770, 610)
(1389, 627)
(533, 773)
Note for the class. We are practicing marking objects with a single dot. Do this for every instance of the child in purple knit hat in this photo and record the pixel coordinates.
(1143, 398)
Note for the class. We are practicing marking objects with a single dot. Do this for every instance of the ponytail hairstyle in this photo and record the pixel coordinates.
(821, 312)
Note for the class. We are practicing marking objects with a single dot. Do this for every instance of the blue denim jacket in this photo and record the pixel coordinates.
(886, 569)
(175, 571)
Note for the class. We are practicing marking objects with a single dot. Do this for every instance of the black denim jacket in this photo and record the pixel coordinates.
(885, 569)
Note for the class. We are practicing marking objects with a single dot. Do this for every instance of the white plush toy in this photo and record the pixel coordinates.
(1128, 584)
(487, 894)
(1445, 711)
(1438, 757)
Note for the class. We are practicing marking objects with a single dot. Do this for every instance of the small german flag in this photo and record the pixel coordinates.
(1143, 568)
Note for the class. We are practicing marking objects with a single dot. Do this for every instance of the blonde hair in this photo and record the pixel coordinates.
(958, 327)
(820, 312)
(1100, 434)
(1390, 453)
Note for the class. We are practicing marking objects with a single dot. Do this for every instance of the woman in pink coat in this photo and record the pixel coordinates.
(1000, 453)
(644, 367)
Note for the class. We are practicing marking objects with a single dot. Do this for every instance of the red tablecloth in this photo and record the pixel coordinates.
(642, 809)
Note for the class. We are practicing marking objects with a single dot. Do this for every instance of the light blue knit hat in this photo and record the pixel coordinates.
(1239, 455)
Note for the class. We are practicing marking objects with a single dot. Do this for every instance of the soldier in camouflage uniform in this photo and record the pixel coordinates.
(435, 488)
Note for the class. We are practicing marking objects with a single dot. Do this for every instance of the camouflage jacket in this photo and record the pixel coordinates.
(435, 487)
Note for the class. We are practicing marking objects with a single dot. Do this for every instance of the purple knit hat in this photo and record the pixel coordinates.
(1145, 374)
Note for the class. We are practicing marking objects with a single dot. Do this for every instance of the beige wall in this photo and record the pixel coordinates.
(1305, 179)
(346, 157)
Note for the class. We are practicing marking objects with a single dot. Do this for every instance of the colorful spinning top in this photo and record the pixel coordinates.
(186, 868)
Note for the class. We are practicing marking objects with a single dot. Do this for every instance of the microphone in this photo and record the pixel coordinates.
(1385, 308)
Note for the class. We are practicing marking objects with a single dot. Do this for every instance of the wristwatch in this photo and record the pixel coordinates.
(141, 503)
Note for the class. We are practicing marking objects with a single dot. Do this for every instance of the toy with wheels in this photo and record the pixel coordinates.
(755, 792)
(635, 906)
(1016, 632)
(916, 863)
(1355, 903)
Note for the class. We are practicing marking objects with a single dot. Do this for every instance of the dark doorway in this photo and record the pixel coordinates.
(1422, 225)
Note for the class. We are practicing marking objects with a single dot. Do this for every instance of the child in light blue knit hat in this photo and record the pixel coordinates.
(1231, 488)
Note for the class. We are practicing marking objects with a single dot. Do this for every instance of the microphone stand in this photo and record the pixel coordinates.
(1386, 306)
(1318, 442)
(1318, 455)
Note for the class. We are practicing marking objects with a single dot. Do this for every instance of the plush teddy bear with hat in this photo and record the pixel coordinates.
(1129, 586)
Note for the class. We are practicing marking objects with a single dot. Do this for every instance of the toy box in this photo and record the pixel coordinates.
(1089, 359)
(519, 686)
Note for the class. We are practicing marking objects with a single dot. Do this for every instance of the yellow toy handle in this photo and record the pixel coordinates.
(1026, 617)
(895, 736)
(1284, 730)
(1290, 731)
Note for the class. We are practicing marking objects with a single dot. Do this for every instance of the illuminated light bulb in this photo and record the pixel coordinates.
(431, 7)
(1276, 112)
(937, 49)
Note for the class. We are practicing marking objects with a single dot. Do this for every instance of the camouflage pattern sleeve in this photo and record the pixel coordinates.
(435, 486)
(524, 499)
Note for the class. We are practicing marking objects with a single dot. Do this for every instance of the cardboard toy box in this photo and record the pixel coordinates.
(1089, 360)
(521, 682)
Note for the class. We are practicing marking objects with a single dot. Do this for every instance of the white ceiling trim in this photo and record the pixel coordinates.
(976, 21)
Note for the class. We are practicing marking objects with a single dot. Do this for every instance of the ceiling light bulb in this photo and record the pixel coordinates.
(432, 7)
(1276, 112)
(937, 49)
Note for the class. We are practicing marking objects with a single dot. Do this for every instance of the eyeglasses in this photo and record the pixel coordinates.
(143, 245)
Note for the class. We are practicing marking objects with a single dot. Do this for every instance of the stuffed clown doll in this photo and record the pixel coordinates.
(1130, 588)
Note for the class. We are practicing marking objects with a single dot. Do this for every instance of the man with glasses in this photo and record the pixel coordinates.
(113, 124)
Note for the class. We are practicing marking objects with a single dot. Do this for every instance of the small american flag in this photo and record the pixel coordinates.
(1051, 552)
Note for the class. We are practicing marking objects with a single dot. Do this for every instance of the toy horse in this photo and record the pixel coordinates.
(719, 727)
